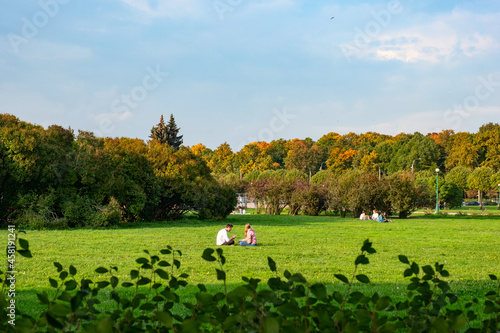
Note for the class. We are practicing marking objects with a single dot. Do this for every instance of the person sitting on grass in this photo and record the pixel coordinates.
(374, 215)
(251, 238)
(363, 216)
(222, 238)
(382, 218)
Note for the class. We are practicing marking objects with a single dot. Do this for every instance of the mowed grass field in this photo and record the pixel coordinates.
(317, 247)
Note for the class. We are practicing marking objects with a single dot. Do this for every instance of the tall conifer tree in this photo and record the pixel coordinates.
(167, 134)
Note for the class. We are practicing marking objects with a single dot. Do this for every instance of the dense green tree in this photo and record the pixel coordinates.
(451, 194)
(368, 193)
(458, 176)
(403, 193)
(277, 150)
(417, 147)
(488, 142)
(480, 180)
(462, 151)
(223, 160)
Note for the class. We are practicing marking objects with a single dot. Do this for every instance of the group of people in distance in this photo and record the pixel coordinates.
(249, 240)
(375, 216)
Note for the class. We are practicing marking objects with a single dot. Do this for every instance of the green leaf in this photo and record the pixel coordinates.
(134, 274)
(367, 247)
(161, 273)
(403, 259)
(63, 275)
(297, 277)
(177, 263)
(165, 318)
(72, 270)
(58, 266)
(271, 325)
(361, 259)
(202, 288)
(142, 260)
(383, 303)
(53, 321)
(143, 281)
(363, 316)
(102, 284)
(59, 309)
(43, 298)
(25, 253)
(290, 309)
(319, 290)
(414, 267)
(127, 284)
(53, 283)
(272, 264)
(165, 251)
(362, 278)
(208, 255)
(408, 272)
(70, 285)
(24, 243)
(341, 278)
(114, 281)
(147, 307)
(493, 277)
(163, 263)
(101, 270)
(145, 251)
(221, 275)
(428, 270)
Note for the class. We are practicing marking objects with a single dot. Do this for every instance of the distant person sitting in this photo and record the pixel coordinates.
(382, 218)
(251, 238)
(222, 238)
(374, 215)
(363, 216)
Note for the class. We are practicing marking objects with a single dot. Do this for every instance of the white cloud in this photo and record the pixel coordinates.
(445, 38)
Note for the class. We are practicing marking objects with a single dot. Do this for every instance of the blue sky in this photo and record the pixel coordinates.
(238, 71)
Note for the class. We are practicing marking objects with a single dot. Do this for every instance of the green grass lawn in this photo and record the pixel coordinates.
(317, 247)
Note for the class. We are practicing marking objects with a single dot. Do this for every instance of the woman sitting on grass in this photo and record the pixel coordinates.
(251, 238)
(382, 218)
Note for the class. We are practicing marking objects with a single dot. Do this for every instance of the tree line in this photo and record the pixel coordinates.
(52, 176)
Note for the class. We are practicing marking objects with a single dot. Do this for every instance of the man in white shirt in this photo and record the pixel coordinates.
(222, 238)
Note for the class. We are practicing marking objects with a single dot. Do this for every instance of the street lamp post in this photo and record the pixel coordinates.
(437, 190)
(414, 162)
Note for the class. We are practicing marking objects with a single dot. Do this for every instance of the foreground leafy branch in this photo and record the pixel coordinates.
(151, 301)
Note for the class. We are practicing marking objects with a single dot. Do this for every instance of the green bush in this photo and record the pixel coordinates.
(287, 304)
(106, 216)
(38, 212)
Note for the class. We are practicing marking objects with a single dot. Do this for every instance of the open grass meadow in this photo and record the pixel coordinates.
(317, 247)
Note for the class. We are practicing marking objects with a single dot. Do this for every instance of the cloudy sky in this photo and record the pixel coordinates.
(238, 71)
